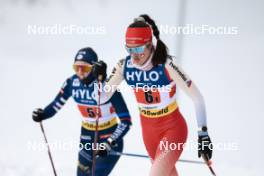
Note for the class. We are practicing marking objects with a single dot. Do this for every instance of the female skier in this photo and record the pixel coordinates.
(154, 75)
(83, 88)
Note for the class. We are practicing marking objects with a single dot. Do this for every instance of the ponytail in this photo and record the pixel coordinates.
(161, 51)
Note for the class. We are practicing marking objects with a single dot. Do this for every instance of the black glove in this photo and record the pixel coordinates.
(38, 115)
(99, 68)
(205, 146)
(104, 149)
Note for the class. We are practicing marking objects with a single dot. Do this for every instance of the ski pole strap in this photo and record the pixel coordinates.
(47, 144)
(112, 152)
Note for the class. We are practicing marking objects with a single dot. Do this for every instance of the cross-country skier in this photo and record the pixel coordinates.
(83, 88)
(155, 75)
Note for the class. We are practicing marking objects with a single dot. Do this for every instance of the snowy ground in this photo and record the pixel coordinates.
(228, 70)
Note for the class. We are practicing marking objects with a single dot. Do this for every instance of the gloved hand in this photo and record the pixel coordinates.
(38, 115)
(104, 150)
(205, 146)
(99, 69)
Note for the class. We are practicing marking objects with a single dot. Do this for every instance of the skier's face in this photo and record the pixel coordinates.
(82, 69)
(139, 53)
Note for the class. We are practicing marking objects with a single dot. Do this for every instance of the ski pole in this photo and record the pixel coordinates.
(96, 125)
(145, 156)
(47, 144)
(208, 163)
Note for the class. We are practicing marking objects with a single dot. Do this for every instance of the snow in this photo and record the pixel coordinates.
(227, 69)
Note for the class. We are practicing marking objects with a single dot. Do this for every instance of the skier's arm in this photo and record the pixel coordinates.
(115, 78)
(59, 101)
(187, 85)
(124, 116)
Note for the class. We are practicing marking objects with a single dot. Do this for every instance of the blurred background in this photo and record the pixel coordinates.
(38, 42)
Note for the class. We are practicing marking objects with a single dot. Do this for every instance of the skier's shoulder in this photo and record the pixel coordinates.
(172, 62)
(172, 59)
(70, 80)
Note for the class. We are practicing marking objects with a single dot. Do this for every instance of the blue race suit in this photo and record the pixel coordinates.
(114, 121)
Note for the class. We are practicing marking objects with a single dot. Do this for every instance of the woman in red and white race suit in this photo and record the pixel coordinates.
(154, 76)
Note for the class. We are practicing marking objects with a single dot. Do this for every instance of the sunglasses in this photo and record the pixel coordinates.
(83, 68)
(136, 50)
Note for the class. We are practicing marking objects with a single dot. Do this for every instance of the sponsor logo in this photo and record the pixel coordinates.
(182, 75)
(76, 83)
(80, 55)
(129, 64)
(84, 94)
(142, 76)
(101, 126)
(158, 113)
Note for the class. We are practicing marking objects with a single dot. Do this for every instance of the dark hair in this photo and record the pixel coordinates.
(161, 51)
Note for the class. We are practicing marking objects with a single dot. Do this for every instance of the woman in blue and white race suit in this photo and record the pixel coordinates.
(114, 118)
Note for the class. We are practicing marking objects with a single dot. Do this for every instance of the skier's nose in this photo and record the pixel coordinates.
(79, 71)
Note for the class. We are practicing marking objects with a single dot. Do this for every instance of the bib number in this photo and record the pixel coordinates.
(148, 97)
